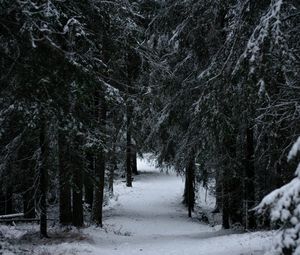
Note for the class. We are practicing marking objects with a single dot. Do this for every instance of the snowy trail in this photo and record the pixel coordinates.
(149, 219)
(152, 208)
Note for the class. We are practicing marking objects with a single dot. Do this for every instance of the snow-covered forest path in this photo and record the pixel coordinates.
(150, 219)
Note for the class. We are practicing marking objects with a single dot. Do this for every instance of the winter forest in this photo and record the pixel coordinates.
(159, 127)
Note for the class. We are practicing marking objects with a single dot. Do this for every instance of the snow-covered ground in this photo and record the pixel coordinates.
(146, 219)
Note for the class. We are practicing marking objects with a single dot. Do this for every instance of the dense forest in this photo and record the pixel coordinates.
(211, 88)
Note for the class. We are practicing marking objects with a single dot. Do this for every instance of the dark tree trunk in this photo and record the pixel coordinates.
(112, 173)
(128, 149)
(226, 175)
(43, 174)
(218, 206)
(100, 170)
(232, 201)
(77, 196)
(225, 203)
(190, 172)
(133, 62)
(185, 193)
(29, 203)
(88, 183)
(235, 189)
(101, 112)
(9, 200)
(134, 160)
(2, 203)
(28, 196)
(225, 215)
(65, 210)
(88, 190)
(249, 180)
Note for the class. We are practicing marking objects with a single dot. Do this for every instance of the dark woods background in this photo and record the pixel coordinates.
(210, 87)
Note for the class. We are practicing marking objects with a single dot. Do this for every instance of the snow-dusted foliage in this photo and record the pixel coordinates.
(283, 204)
(227, 76)
(63, 83)
(210, 87)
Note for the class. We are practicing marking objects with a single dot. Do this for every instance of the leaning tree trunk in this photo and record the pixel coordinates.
(43, 175)
(100, 169)
(65, 210)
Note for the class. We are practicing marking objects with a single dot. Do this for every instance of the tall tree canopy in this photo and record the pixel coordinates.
(209, 87)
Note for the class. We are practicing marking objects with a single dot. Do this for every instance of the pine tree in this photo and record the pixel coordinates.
(283, 206)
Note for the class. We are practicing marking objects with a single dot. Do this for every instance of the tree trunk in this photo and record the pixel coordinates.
(235, 189)
(190, 172)
(112, 173)
(249, 180)
(134, 160)
(28, 204)
(77, 196)
(2, 203)
(128, 149)
(65, 210)
(88, 182)
(28, 200)
(232, 201)
(28, 195)
(218, 194)
(100, 170)
(43, 174)
(185, 193)
(101, 112)
(225, 203)
(9, 200)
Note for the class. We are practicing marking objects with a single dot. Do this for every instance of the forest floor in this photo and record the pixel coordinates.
(146, 219)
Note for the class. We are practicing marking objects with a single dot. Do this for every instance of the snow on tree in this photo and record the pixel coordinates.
(284, 206)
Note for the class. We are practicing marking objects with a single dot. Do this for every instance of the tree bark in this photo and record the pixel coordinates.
(112, 173)
(218, 194)
(134, 160)
(28, 195)
(100, 170)
(28, 205)
(101, 112)
(250, 179)
(2, 203)
(88, 183)
(225, 203)
(185, 193)
(65, 210)
(128, 149)
(191, 185)
(77, 196)
(43, 174)
(9, 200)
(28, 201)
